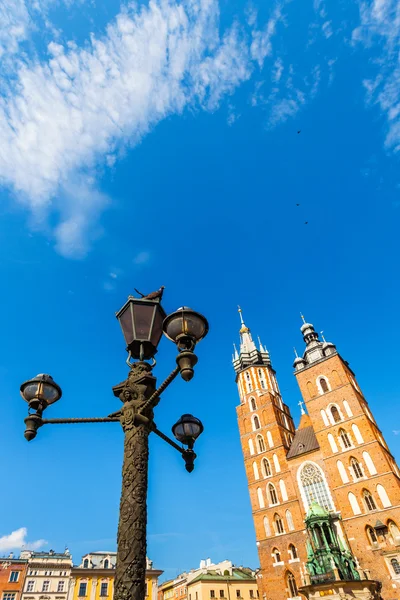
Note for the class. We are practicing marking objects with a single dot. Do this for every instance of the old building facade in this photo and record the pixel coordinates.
(337, 457)
(12, 577)
(222, 581)
(93, 578)
(47, 576)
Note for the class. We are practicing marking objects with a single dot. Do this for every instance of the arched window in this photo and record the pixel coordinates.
(277, 555)
(324, 418)
(267, 527)
(395, 566)
(289, 520)
(369, 501)
(384, 498)
(273, 497)
(342, 471)
(344, 436)
(276, 463)
(291, 585)
(323, 385)
(249, 386)
(269, 438)
(313, 484)
(260, 498)
(256, 422)
(253, 405)
(261, 378)
(370, 464)
(335, 414)
(255, 470)
(266, 467)
(260, 443)
(86, 563)
(293, 551)
(356, 468)
(332, 443)
(106, 563)
(251, 447)
(347, 408)
(357, 434)
(394, 531)
(278, 524)
(371, 535)
(282, 487)
(354, 504)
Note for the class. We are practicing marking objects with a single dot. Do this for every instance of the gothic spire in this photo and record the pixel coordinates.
(248, 353)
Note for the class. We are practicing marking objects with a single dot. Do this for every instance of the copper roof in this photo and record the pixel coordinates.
(304, 441)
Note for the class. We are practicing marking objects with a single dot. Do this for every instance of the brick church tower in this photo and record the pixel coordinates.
(337, 458)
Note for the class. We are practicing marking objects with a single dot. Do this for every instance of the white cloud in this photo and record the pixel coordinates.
(380, 25)
(17, 540)
(261, 46)
(61, 118)
(142, 258)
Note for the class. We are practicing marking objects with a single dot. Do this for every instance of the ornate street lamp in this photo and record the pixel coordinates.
(143, 321)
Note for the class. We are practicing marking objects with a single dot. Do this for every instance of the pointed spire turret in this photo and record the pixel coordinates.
(248, 353)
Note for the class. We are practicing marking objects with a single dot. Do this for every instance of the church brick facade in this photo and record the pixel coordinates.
(337, 457)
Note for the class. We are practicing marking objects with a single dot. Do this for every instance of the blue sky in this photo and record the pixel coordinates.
(156, 144)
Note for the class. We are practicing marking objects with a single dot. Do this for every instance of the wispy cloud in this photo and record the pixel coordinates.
(142, 258)
(396, 431)
(17, 540)
(380, 26)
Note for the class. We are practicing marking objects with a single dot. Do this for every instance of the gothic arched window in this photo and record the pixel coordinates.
(86, 563)
(293, 551)
(395, 566)
(266, 467)
(253, 405)
(289, 520)
(324, 385)
(278, 524)
(249, 386)
(394, 530)
(335, 414)
(344, 436)
(355, 465)
(260, 443)
(369, 501)
(261, 378)
(276, 555)
(371, 535)
(256, 422)
(106, 563)
(273, 497)
(314, 486)
(291, 585)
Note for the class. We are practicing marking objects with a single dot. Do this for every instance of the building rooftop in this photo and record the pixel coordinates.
(304, 441)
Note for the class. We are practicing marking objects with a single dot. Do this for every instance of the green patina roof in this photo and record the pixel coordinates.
(316, 510)
(237, 575)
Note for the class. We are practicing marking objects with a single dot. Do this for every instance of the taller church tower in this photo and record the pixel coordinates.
(337, 458)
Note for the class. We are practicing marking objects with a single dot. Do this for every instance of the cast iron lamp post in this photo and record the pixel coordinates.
(143, 321)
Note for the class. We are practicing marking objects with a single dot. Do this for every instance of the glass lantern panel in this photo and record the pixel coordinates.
(175, 327)
(194, 326)
(49, 393)
(126, 324)
(30, 391)
(157, 326)
(142, 318)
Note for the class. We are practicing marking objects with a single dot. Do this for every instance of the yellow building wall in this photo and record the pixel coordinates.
(93, 587)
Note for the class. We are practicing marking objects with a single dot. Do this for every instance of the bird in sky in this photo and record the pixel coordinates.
(297, 204)
(306, 223)
(299, 131)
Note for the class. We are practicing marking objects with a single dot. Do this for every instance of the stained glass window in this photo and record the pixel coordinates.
(314, 486)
